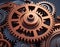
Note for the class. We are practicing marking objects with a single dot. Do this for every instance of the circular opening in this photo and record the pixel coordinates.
(31, 16)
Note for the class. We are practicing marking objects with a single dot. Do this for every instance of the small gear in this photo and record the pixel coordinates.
(48, 6)
(31, 21)
(4, 11)
(4, 43)
(54, 39)
(22, 44)
(9, 36)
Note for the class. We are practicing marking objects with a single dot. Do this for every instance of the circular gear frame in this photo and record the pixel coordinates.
(31, 21)
(54, 39)
(4, 11)
(49, 6)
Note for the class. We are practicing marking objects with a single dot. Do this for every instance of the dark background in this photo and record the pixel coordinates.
(55, 2)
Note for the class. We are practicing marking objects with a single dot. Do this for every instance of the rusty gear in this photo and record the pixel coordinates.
(4, 11)
(1, 35)
(52, 41)
(30, 22)
(4, 43)
(48, 6)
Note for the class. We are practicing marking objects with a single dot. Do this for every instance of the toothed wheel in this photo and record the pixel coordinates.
(9, 36)
(30, 22)
(48, 6)
(4, 11)
(54, 39)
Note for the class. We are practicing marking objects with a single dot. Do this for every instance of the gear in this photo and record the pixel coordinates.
(1, 35)
(22, 44)
(54, 39)
(3, 15)
(4, 43)
(48, 6)
(9, 36)
(31, 21)
(4, 11)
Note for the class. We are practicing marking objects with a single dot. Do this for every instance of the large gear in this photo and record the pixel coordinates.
(54, 39)
(4, 11)
(22, 44)
(9, 36)
(31, 21)
(48, 6)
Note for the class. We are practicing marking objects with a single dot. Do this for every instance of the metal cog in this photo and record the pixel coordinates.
(54, 39)
(3, 15)
(48, 6)
(31, 21)
(4, 43)
(9, 36)
(4, 11)
(22, 44)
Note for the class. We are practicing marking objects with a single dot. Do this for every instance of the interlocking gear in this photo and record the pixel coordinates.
(54, 39)
(9, 36)
(4, 11)
(48, 6)
(30, 22)
(22, 44)
(4, 43)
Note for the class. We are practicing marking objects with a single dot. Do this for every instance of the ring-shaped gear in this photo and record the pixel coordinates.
(31, 21)
(54, 39)
(4, 43)
(49, 6)
(4, 11)
(22, 44)
(9, 36)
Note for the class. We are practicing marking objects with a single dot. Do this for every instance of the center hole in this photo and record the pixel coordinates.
(31, 16)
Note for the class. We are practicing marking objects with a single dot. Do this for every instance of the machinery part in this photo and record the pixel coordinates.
(48, 6)
(1, 35)
(4, 11)
(9, 36)
(4, 43)
(54, 39)
(31, 21)
(22, 44)
(3, 15)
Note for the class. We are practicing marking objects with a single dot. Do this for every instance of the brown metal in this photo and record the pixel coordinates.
(29, 21)
(6, 6)
(4, 43)
(56, 31)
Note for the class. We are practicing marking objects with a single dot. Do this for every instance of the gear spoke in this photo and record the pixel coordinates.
(46, 26)
(35, 33)
(45, 17)
(27, 9)
(17, 27)
(14, 20)
(18, 13)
